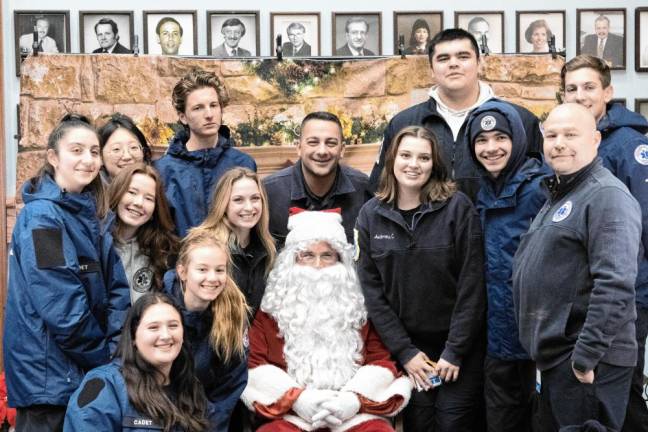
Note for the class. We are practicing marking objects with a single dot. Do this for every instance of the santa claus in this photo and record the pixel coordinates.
(316, 362)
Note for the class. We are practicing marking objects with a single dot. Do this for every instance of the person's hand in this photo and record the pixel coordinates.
(309, 403)
(418, 369)
(446, 370)
(584, 377)
(342, 407)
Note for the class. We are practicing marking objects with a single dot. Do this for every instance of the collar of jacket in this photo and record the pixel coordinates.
(193, 320)
(559, 186)
(47, 189)
(507, 196)
(390, 212)
(342, 185)
(208, 157)
(618, 116)
(258, 252)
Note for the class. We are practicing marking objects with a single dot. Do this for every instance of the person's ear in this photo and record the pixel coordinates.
(608, 93)
(52, 158)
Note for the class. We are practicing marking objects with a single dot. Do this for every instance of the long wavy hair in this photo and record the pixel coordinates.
(217, 220)
(156, 238)
(230, 310)
(69, 122)
(188, 409)
(438, 187)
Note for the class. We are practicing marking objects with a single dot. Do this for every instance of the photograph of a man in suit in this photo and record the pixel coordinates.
(108, 38)
(603, 44)
(297, 47)
(356, 30)
(169, 35)
(479, 28)
(233, 31)
(45, 43)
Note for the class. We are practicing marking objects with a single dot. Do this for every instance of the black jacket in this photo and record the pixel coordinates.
(287, 188)
(248, 268)
(456, 154)
(423, 280)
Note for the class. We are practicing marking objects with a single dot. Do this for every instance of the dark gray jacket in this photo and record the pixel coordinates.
(574, 273)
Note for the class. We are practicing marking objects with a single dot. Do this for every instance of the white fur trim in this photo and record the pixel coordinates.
(315, 225)
(266, 384)
(379, 384)
(353, 421)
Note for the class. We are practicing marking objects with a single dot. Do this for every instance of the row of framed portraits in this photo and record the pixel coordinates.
(600, 32)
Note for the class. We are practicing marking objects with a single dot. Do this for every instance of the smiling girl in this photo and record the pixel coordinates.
(67, 296)
(215, 313)
(142, 227)
(122, 144)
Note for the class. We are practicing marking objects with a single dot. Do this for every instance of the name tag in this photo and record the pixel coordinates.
(140, 423)
(86, 265)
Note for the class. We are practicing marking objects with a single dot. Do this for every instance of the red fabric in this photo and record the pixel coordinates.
(5, 412)
(368, 426)
(281, 407)
(266, 347)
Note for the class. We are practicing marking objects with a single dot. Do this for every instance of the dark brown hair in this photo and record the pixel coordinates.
(194, 80)
(586, 61)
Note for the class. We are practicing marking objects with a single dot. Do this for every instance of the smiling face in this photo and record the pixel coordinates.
(320, 149)
(421, 35)
(105, 36)
(493, 151)
(296, 37)
(170, 38)
(539, 38)
(245, 206)
(159, 336)
(584, 87)
(204, 276)
(602, 28)
(232, 35)
(121, 150)
(413, 163)
(77, 160)
(570, 138)
(42, 27)
(203, 113)
(356, 35)
(137, 205)
(455, 66)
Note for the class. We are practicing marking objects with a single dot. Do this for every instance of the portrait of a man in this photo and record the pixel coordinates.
(232, 34)
(46, 31)
(106, 32)
(170, 33)
(486, 27)
(297, 46)
(232, 30)
(44, 43)
(360, 35)
(300, 33)
(108, 37)
(601, 41)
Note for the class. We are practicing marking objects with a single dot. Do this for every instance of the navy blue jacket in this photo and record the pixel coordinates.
(190, 176)
(426, 281)
(624, 151)
(456, 155)
(101, 404)
(67, 296)
(223, 382)
(506, 207)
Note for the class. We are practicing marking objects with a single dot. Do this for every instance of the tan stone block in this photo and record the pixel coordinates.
(398, 74)
(24, 118)
(126, 79)
(253, 90)
(539, 93)
(235, 114)
(232, 68)
(177, 67)
(495, 68)
(44, 115)
(136, 111)
(87, 78)
(51, 76)
(165, 111)
(28, 164)
(506, 90)
(364, 78)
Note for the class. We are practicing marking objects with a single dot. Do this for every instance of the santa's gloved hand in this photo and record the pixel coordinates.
(344, 406)
(309, 403)
(324, 418)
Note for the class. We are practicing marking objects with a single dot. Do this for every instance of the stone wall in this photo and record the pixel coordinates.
(267, 99)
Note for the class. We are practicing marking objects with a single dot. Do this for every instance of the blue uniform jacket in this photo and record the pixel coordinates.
(506, 207)
(101, 404)
(223, 383)
(190, 176)
(67, 296)
(624, 151)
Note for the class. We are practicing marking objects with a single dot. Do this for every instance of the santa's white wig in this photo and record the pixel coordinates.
(319, 312)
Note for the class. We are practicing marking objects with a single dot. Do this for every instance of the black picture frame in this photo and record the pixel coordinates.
(404, 22)
(586, 42)
(56, 39)
(527, 21)
(249, 18)
(494, 19)
(88, 43)
(186, 18)
(641, 107)
(641, 39)
(373, 43)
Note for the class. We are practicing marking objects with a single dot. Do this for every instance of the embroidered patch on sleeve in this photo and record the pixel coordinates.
(90, 391)
(48, 246)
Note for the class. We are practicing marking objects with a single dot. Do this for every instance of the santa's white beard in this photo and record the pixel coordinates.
(319, 314)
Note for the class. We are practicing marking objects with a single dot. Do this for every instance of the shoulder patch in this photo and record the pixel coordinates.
(48, 246)
(641, 154)
(143, 280)
(563, 212)
(90, 391)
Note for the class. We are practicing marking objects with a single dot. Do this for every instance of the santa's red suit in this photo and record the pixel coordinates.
(271, 392)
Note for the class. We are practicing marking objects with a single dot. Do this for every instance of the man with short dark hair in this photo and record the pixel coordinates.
(586, 80)
(454, 62)
(232, 30)
(318, 181)
(356, 29)
(169, 35)
(603, 44)
(108, 38)
(297, 47)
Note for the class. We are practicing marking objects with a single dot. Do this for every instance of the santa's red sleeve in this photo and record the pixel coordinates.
(270, 391)
(381, 388)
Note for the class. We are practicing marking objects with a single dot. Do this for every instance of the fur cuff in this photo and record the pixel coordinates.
(379, 384)
(266, 385)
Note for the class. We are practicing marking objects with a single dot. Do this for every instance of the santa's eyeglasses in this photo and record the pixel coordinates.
(308, 257)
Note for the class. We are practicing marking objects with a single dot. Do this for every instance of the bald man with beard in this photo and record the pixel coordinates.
(573, 280)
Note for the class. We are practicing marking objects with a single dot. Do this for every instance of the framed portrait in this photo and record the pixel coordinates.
(108, 32)
(171, 32)
(641, 107)
(49, 28)
(487, 27)
(233, 34)
(535, 29)
(641, 39)
(357, 34)
(601, 33)
(300, 33)
(417, 29)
